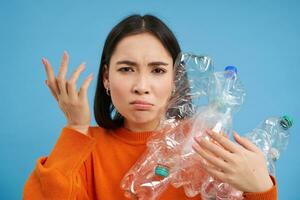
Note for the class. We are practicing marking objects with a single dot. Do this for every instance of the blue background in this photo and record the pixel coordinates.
(262, 38)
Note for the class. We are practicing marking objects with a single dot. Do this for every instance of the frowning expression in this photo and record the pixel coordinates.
(140, 79)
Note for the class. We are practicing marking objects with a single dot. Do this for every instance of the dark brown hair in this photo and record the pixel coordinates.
(105, 113)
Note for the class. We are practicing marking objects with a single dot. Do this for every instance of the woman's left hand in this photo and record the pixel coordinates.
(242, 165)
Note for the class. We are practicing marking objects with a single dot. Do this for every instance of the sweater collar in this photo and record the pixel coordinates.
(132, 137)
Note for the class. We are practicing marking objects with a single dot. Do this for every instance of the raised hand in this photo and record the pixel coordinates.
(73, 103)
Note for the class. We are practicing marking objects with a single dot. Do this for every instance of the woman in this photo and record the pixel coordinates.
(135, 83)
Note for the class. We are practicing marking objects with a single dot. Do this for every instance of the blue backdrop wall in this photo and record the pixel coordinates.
(262, 38)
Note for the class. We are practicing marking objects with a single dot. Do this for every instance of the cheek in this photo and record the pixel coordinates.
(119, 92)
(118, 89)
(164, 90)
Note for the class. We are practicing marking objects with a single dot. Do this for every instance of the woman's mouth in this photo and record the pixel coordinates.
(141, 105)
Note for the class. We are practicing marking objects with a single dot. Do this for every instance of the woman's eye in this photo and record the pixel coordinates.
(159, 71)
(125, 69)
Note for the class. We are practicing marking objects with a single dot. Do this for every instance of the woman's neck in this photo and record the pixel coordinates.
(141, 127)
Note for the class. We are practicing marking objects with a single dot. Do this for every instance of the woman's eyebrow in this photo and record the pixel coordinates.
(157, 63)
(132, 63)
(127, 62)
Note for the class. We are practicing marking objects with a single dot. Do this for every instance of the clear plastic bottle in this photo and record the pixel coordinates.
(192, 74)
(225, 96)
(272, 137)
(147, 180)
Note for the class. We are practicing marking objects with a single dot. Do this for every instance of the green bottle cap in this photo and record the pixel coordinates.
(286, 122)
(162, 171)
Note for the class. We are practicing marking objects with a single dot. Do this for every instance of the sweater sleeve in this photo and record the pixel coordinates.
(62, 174)
(270, 194)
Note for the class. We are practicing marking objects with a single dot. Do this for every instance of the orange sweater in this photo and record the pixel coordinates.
(92, 166)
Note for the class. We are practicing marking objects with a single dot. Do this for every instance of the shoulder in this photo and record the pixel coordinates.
(95, 131)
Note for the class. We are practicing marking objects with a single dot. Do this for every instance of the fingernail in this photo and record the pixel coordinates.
(44, 61)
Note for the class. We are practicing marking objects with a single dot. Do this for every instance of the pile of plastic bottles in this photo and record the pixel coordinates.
(170, 158)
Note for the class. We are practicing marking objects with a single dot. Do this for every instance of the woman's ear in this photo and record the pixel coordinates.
(105, 77)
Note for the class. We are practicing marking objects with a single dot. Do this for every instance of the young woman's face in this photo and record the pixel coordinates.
(140, 79)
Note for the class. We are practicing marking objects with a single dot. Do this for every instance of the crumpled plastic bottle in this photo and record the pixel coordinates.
(272, 137)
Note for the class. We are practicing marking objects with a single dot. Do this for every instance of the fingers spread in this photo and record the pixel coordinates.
(51, 80)
(219, 163)
(71, 84)
(214, 149)
(64, 66)
(245, 143)
(217, 174)
(59, 86)
(61, 77)
(83, 89)
(222, 140)
(53, 92)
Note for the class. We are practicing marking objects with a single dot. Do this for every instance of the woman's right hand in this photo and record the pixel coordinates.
(73, 104)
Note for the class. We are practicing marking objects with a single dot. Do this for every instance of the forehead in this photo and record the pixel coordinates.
(141, 47)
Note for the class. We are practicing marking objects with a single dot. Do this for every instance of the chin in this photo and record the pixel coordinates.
(143, 118)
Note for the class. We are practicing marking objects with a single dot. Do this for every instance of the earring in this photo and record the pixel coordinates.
(173, 91)
(107, 92)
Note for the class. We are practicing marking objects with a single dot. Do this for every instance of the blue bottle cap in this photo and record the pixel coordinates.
(286, 122)
(230, 72)
(231, 68)
(162, 171)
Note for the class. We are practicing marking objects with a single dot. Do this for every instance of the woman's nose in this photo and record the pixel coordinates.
(141, 85)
